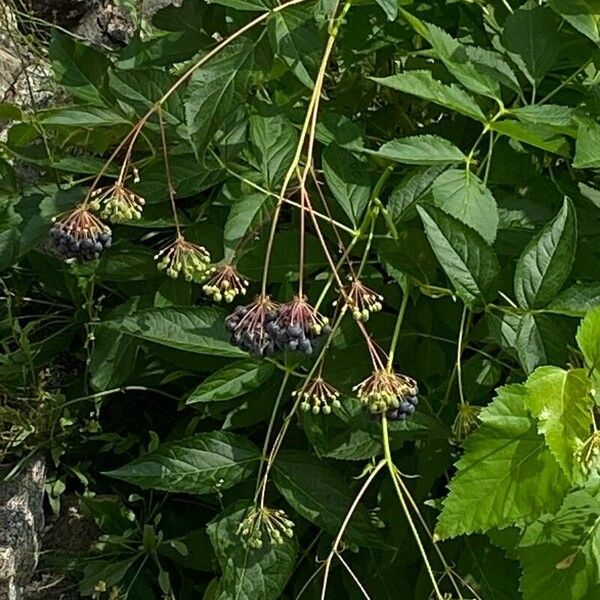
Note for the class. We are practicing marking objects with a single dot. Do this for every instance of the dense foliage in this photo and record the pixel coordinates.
(301, 300)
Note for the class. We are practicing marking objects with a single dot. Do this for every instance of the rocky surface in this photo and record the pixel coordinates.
(21, 524)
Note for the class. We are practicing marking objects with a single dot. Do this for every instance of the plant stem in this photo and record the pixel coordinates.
(268, 439)
(168, 173)
(132, 135)
(464, 327)
(392, 470)
(312, 106)
(398, 327)
(345, 523)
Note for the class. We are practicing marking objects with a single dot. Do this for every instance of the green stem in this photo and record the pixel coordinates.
(397, 327)
(393, 473)
(268, 439)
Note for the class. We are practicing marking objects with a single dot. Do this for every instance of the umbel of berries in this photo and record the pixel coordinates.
(388, 392)
(362, 301)
(80, 235)
(298, 327)
(184, 258)
(318, 397)
(262, 520)
(248, 326)
(225, 285)
(117, 203)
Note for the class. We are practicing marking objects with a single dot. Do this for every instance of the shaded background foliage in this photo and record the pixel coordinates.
(483, 115)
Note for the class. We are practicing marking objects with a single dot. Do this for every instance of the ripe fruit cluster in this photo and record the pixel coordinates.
(407, 407)
(389, 392)
(264, 328)
(80, 235)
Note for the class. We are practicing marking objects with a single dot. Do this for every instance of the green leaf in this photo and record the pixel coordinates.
(470, 264)
(540, 341)
(296, 42)
(390, 7)
(10, 111)
(422, 150)
(481, 71)
(249, 573)
(108, 571)
(201, 464)
(285, 257)
(587, 147)
(188, 177)
(414, 187)
(561, 117)
(141, 89)
(559, 553)
(247, 213)
(320, 494)
(274, 140)
(81, 69)
(345, 435)
(92, 116)
(348, 180)
(592, 194)
(463, 195)
(423, 85)
(216, 90)
(577, 300)
(252, 5)
(193, 329)
(561, 402)
(530, 32)
(588, 338)
(545, 264)
(232, 381)
(113, 355)
(583, 15)
(535, 134)
(506, 475)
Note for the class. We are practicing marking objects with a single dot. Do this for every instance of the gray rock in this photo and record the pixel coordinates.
(21, 524)
(151, 7)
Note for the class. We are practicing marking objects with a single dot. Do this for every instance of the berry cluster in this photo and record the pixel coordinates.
(248, 326)
(362, 301)
(407, 407)
(225, 285)
(80, 235)
(183, 257)
(117, 203)
(588, 455)
(318, 397)
(298, 327)
(264, 327)
(467, 420)
(389, 392)
(273, 521)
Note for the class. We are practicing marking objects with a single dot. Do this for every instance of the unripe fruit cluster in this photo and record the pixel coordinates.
(318, 397)
(184, 258)
(274, 522)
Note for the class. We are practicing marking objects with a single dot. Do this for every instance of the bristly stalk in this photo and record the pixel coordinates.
(392, 469)
(132, 136)
(165, 153)
(309, 123)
